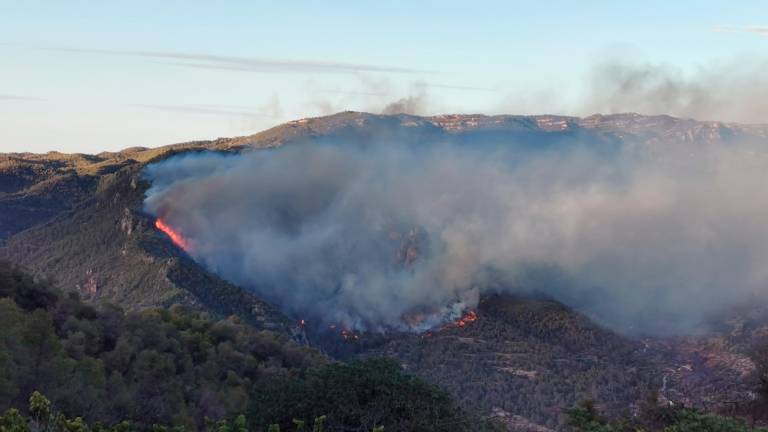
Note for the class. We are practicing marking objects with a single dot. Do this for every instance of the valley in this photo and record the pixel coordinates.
(79, 220)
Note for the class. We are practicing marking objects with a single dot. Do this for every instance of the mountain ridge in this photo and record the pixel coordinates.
(455, 123)
(80, 219)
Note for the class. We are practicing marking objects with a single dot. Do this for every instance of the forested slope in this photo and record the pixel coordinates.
(181, 368)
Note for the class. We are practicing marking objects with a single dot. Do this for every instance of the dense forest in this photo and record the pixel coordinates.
(183, 369)
(68, 365)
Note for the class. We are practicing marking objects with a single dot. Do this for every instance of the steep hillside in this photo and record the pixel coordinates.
(141, 371)
(79, 219)
(80, 215)
(106, 249)
(529, 360)
(157, 366)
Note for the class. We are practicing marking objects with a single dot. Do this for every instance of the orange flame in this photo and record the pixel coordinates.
(468, 318)
(175, 237)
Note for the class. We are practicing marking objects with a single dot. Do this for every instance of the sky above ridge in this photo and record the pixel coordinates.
(83, 76)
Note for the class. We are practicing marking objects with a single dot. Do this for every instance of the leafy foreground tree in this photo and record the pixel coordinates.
(157, 366)
(584, 417)
(136, 370)
(361, 395)
(43, 418)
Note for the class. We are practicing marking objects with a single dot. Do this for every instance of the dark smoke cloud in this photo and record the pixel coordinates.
(379, 95)
(728, 91)
(736, 91)
(414, 104)
(372, 235)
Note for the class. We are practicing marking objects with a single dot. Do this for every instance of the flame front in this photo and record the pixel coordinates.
(175, 237)
(468, 318)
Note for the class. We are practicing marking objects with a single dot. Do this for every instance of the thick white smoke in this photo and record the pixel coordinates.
(372, 236)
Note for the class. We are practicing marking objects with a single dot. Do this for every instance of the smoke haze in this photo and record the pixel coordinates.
(394, 236)
(735, 91)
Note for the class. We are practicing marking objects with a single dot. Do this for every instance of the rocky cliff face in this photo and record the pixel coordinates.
(461, 127)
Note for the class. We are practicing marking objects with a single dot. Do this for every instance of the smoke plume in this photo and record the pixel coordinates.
(396, 236)
(736, 91)
(728, 91)
(414, 105)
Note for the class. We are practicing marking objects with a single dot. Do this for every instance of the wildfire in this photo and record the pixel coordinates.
(468, 318)
(349, 335)
(175, 237)
(352, 336)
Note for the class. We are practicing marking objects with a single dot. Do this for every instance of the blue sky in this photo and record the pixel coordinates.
(87, 76)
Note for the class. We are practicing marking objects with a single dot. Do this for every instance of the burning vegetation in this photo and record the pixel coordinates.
(466, 319)
(175, 237)
(346, 334)
(349, 335)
